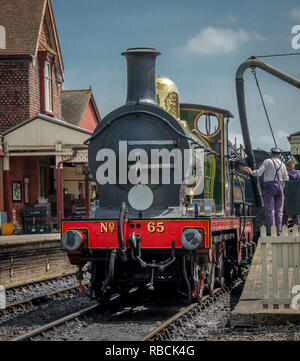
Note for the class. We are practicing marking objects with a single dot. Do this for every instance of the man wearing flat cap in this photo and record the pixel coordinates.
(275, 175)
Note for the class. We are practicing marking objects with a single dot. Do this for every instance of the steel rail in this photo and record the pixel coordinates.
(202, 306)
(41, 280)
(56, 323)
(179, 315)
(169, 322)
(206, 302)
(29, 302)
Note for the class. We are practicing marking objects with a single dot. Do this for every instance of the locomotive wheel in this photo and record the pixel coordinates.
(211, 276)
(97, 271)
(230, 274)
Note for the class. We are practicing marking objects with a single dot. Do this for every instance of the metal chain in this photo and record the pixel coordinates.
(262, 99)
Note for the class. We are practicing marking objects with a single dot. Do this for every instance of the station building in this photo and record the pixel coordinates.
(294, 140)
(42, 127)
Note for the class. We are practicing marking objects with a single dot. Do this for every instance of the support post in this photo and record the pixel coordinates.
(87, 193)
(59, 191)
(60, 184)
(7, 189)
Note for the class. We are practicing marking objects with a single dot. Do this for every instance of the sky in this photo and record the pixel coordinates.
(202, 43)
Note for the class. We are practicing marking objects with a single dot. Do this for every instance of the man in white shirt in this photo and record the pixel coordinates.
(275, 175)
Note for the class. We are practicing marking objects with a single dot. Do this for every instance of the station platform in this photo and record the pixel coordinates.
(30, 257)
(31, 238)
(251, 310)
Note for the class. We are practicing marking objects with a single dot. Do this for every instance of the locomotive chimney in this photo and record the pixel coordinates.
(141, 75)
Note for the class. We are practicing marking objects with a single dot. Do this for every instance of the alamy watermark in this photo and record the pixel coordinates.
(296, 299)
(2, 37)
(2, 298)
(296, 39)
(157, 166)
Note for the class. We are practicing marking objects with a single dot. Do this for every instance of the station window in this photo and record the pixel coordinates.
(48, 87)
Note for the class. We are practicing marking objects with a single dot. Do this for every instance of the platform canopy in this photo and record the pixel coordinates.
(44, 136)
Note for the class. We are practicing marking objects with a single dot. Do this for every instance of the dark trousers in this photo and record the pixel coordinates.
(285, 219)
(273, 199)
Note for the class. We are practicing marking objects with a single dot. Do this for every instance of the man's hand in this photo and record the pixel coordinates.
(248, 170)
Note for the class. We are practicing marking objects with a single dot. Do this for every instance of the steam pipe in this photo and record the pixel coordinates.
(183, 264)
(111, 270)
(122, 248)
(240, 92)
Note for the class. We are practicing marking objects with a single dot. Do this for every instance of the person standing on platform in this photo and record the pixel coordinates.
(275, 175)
(293, 175)
(292, 172)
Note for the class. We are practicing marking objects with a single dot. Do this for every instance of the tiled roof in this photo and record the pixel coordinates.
(74, 104)
(49, 119)
(22, 21)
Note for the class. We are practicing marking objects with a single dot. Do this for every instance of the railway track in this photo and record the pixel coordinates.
(174, 327)
(110, 326)
(41, 330)
(34, 284)
(113, 322)
(38, 300)
(25, 303)
(134, 321)
(166, 330)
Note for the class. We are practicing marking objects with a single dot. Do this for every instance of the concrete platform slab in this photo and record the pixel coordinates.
(25, 238)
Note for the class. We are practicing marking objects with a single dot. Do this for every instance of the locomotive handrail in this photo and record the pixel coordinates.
(253, 62)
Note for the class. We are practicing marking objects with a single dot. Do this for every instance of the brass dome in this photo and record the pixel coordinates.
(167, 96)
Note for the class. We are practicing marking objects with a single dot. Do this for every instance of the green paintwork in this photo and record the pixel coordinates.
(214, 165)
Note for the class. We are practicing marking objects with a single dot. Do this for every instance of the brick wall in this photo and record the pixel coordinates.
(20, 168)
(21, 85)
(20, 96)
(45, 36)
(14, 93)
(89, 119)
(56, 86)
(34, 90)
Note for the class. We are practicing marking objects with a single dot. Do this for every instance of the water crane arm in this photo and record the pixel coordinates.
(240, 93)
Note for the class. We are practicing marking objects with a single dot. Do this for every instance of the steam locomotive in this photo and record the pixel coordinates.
(172, 194)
